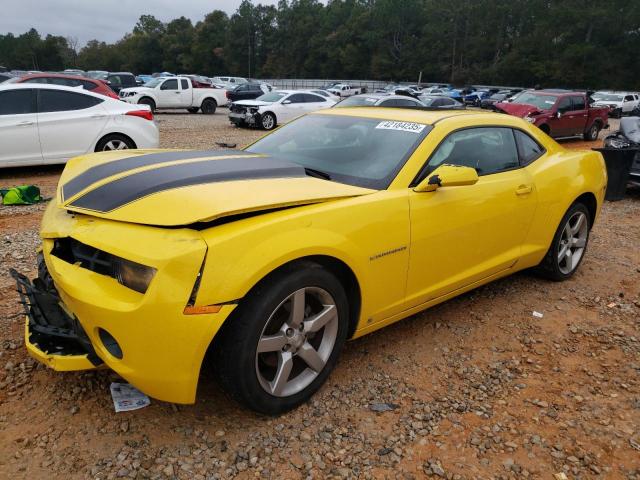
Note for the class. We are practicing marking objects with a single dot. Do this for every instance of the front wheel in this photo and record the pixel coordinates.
(591, 135)
(268, 121)
(568, 246)
(284, 339)
(148, 101)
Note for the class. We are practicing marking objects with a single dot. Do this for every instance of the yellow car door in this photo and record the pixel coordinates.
(464, 234)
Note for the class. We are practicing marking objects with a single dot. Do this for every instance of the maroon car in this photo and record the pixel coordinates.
(558, 113)
(93, 85)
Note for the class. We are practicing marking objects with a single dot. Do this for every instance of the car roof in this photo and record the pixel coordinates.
(57, 75)
(49, 86)
(428, 117)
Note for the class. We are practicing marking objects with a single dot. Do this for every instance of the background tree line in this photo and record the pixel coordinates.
(574, 43)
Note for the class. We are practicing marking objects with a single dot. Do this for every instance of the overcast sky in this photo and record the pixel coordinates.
(106, 20)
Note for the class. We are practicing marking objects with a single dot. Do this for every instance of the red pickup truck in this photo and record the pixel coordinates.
(558, 114)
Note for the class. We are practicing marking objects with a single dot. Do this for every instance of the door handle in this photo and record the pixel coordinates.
(177, 93)
(25, 124)
(98, 115)
(523, 190)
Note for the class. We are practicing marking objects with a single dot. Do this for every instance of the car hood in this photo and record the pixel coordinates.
(182, 187)
(137, 89)
(252, 103)
(518, 109)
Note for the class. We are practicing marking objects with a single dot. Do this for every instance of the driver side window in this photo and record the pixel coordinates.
(564, 105)
(170, 85)
(487, 149)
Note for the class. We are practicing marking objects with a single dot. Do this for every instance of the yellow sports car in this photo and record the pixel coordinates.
(271, 257)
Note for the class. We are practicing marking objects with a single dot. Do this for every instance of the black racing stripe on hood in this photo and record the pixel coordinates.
(122, 191)
(94, 174)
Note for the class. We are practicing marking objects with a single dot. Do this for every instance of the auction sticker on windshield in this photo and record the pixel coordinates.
(401, 126)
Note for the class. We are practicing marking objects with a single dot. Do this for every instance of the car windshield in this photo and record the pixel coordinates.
(497, 96)
(611, 98)
(271, 97)
(427, 100)
(357, 102)
(154, 83)
(365, 152)
(543, 102)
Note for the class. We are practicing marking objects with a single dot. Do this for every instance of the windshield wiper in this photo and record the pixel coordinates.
(312, 172)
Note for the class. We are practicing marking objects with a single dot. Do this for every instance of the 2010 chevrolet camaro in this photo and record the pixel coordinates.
(271, 257)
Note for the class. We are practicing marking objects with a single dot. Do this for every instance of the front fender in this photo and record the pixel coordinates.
(242, 253)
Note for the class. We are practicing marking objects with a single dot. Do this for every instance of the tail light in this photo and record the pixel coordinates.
(226, 93)
(146, 114)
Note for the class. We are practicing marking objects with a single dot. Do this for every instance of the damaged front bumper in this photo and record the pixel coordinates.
(52, 335)
(249, 118)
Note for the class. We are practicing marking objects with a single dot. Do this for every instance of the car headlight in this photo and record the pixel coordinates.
(529, 119)
(133, 275)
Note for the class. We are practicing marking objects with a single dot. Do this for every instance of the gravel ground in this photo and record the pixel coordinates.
(476, 388)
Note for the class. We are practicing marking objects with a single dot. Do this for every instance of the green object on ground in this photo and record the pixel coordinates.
(22, 195)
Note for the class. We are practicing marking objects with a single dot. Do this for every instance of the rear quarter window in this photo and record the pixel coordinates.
(59, 101)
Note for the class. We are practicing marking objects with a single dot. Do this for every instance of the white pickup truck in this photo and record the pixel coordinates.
(344, 90)
(175, 93)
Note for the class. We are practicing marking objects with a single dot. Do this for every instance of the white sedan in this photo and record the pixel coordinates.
(45, 124)
(277, 107)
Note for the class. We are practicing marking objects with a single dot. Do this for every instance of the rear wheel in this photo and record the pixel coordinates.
(591, 135)
(284, 339)
(209, 106)
(114, 142)
(148, 101)
(569, 244)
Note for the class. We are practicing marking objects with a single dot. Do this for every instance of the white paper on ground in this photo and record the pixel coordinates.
(126, 398)
(538, 314)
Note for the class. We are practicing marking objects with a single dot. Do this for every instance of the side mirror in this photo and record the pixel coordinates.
(286, 102)
(448, 176)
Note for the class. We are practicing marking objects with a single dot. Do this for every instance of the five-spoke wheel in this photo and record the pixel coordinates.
(297, 341)
(568, 245)
(284, 338)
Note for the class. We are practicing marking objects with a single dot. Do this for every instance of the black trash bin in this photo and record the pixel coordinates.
(618, 161)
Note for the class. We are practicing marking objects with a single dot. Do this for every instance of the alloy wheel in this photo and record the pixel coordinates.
(115, 145)
(573, 242)
(297, 341)
(267, 122)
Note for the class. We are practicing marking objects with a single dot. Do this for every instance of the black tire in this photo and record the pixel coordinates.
(235, 357)
(148, 101)
(591, 135)
(268, 121)
(113, 141)
(193, 109)
(549, 267)
(208, 106)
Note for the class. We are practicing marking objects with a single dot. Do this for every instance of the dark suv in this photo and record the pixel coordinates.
(245, 91)
(119, 80)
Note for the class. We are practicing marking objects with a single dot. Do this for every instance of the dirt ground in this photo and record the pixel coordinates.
(478, 388)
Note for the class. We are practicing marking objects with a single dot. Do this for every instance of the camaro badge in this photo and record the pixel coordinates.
(388, 252)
